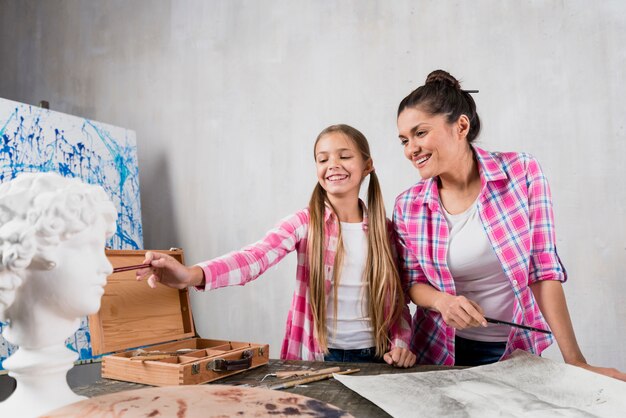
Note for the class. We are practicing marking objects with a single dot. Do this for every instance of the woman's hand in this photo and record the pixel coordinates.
(400, 357)
(607, 371)
(459, 312)
(168, 271)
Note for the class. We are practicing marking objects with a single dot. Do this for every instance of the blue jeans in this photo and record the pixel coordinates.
(476, 353)
(359, 355)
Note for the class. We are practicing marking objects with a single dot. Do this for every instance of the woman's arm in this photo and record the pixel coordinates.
(547, 272)
(551, 299)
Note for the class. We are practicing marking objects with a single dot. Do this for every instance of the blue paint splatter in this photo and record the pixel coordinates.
(33, 139)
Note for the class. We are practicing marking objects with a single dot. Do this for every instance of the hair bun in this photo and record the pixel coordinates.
(441, 76)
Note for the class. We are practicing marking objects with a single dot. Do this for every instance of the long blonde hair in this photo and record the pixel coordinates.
(381, 274)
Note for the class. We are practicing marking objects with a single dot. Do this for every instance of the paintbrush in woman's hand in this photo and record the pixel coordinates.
(513, 324)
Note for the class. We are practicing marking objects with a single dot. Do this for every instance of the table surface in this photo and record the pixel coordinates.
(329, 391)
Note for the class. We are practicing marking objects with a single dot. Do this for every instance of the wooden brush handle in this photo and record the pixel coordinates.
(309, 379)
(293, 373)
(151, 357)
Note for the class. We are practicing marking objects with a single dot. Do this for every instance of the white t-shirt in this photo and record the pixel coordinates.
(354, 326)
(478, 274)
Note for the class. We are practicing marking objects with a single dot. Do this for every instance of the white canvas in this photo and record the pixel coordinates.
(523, 386)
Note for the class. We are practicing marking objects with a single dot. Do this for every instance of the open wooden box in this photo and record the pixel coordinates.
(133, 315)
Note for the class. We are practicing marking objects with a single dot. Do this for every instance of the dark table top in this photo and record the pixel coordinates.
(329, 391)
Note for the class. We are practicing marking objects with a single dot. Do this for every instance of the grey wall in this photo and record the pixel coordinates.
(227, 97)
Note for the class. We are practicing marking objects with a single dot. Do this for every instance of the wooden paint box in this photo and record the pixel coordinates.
(159, 321)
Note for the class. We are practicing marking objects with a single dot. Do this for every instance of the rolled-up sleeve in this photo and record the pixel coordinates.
(545, 263)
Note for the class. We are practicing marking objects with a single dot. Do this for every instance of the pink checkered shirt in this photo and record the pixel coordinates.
(515, 207)
(241, 267)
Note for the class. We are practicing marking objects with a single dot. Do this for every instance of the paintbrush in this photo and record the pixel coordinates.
(285, 374)
(127, 268)
(152, 357)
(513, 324)
(309, 379)
(142, 355)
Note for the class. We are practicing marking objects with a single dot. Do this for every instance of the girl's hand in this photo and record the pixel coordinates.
(167, 270)
(607, 371)
(460, 312)
(400, 357)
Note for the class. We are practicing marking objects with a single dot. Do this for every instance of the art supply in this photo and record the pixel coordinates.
(199, 401)
(142, 355)
(127, 268)
(285, 374)
(309, 379)
(141, 352)
(152, 357)
(497, 321)
(161, 322)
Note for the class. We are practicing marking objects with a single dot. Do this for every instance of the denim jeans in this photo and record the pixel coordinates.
(359, 355)
(476, 353)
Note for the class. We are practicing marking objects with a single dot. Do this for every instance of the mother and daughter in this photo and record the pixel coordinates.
(474, 238)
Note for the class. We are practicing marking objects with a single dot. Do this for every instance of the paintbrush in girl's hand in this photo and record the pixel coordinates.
(127, 268)
(513, 324)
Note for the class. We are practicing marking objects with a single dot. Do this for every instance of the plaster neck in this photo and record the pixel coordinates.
(39, 329)
(42, 361)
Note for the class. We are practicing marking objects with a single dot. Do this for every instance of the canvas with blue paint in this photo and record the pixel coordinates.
(35, 139)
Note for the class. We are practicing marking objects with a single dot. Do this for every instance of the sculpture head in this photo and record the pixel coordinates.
(53, 232)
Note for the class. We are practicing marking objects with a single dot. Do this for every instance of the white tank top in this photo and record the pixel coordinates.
(478, 274)
(354, 326)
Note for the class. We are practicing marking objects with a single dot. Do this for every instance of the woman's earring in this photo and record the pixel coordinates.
(50, 265)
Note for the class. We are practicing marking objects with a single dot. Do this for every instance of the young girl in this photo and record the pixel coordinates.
(349, 304)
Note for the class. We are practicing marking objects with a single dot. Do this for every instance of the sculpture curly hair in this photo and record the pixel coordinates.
(37, 212)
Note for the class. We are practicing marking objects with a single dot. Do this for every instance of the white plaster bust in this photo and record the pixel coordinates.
(53, 269)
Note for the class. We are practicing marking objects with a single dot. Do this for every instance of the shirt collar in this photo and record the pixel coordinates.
(488, 166)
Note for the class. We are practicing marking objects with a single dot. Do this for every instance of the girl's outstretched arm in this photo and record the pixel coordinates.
(235, 268)
(240, 267)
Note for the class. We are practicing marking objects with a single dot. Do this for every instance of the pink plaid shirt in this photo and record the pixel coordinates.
(515, 207)
(241, 267)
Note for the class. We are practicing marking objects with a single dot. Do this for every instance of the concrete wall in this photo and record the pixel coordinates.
(227, 97)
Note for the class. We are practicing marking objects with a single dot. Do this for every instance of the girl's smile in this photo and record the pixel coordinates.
(340, 166)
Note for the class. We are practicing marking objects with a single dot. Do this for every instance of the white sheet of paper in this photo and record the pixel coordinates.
(523, 386)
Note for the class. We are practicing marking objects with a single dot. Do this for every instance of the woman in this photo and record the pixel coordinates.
(476, 239)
